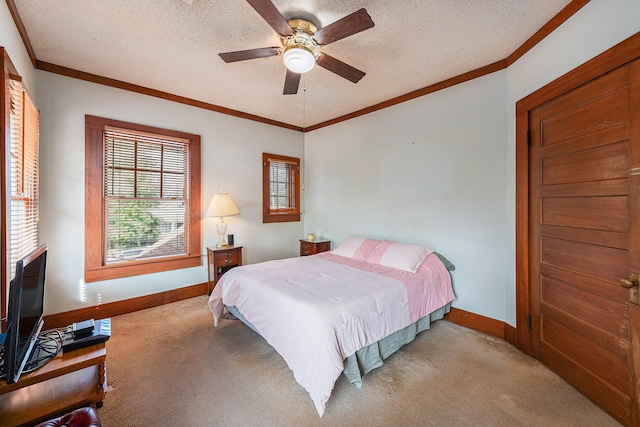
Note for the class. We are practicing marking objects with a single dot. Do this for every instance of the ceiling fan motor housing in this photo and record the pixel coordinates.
(302, 35)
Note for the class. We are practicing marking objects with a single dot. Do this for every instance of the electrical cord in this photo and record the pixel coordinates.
(47, 346)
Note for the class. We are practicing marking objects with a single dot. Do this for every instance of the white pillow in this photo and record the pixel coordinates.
(356, 248)
(399, 256)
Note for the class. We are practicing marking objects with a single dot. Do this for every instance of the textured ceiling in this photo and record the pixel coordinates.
(173, 46)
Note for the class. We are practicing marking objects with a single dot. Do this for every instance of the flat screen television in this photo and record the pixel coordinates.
(24, 316)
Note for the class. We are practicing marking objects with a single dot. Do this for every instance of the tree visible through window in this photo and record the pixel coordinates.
(280, 188)
(146, 195)
(149, 188)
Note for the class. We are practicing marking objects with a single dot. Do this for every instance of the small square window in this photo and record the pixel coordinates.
(280, 188)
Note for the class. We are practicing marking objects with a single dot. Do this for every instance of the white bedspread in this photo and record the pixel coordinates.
(316, 311)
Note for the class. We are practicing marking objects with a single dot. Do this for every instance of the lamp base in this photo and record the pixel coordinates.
(221, 228)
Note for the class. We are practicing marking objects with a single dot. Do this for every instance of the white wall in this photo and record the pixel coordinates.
(231, 161)
(440, 170)
(429, 171)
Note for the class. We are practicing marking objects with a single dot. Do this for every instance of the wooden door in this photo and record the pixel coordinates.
(584, 237)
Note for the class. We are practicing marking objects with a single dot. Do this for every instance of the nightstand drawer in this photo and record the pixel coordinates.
(311, 248)
(227, 257)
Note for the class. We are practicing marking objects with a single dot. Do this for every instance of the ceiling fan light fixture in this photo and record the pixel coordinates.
(299, 59)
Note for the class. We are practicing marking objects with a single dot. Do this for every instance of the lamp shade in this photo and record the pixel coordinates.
(299, 59)
(222, 205)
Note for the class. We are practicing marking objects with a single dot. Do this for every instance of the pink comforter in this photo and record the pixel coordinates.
(316, 311)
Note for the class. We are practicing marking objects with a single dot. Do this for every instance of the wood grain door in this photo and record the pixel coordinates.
(584, 237)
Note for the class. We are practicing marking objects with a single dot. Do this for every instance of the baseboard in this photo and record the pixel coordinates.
(60, 320)
(460, 317)
(511, 334)
(483, 324)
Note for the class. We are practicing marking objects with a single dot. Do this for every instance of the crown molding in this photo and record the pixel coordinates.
(94, 78)
(561, 17)
(23, 32)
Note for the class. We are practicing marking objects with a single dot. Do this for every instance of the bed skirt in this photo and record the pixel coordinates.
(372, 356)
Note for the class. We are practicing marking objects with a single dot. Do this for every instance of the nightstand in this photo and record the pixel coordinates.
(219, 261)
(308, 247)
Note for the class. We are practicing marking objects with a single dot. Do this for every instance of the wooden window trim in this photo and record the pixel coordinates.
(95, 269)
(281, 215)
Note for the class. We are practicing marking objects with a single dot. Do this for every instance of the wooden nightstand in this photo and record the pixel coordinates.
(219, 261)
(308, 247)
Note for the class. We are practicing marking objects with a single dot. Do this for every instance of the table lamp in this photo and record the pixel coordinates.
(221, 205)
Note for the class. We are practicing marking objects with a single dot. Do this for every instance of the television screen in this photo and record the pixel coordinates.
(24, 318)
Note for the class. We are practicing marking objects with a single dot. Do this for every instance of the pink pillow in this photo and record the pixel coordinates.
(357, 248)
(399, 256)
(365, 249)
(376, 254)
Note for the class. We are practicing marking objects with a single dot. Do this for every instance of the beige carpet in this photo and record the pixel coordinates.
(169, 366)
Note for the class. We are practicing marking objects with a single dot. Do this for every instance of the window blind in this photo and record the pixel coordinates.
(282, 185)
(146, 200)
(23, 175)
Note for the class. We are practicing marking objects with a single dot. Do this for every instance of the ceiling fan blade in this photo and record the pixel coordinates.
(340, 68)
(291, 83)
(345, 27)
(269, 13)
(242, 55)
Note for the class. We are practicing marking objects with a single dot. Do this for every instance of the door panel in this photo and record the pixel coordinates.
(616, 404)
(615, 344)
(587, 165)
(607, 315)
(613, 369)
(584, 222)
(599, 287)
(597, 213)
(607, 264)
(604, 238)
(592, 116)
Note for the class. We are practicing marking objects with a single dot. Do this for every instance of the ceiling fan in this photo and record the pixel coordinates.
(300, 41)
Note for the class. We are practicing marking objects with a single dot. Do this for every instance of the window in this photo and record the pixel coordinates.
(22, 176)
(280, 188)
(19, 189)
(147, 215)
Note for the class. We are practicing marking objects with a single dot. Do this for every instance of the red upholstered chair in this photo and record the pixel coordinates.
(83, 417)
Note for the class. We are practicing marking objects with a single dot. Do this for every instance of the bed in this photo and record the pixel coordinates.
(339, 311)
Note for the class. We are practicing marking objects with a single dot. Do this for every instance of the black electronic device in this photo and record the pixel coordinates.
(230, 239)
(101, 332)
(24, 315)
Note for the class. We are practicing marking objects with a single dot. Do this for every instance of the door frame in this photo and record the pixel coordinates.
(617, 56)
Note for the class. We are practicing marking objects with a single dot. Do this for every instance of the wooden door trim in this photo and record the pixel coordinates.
(615, 57)
(634, 245)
